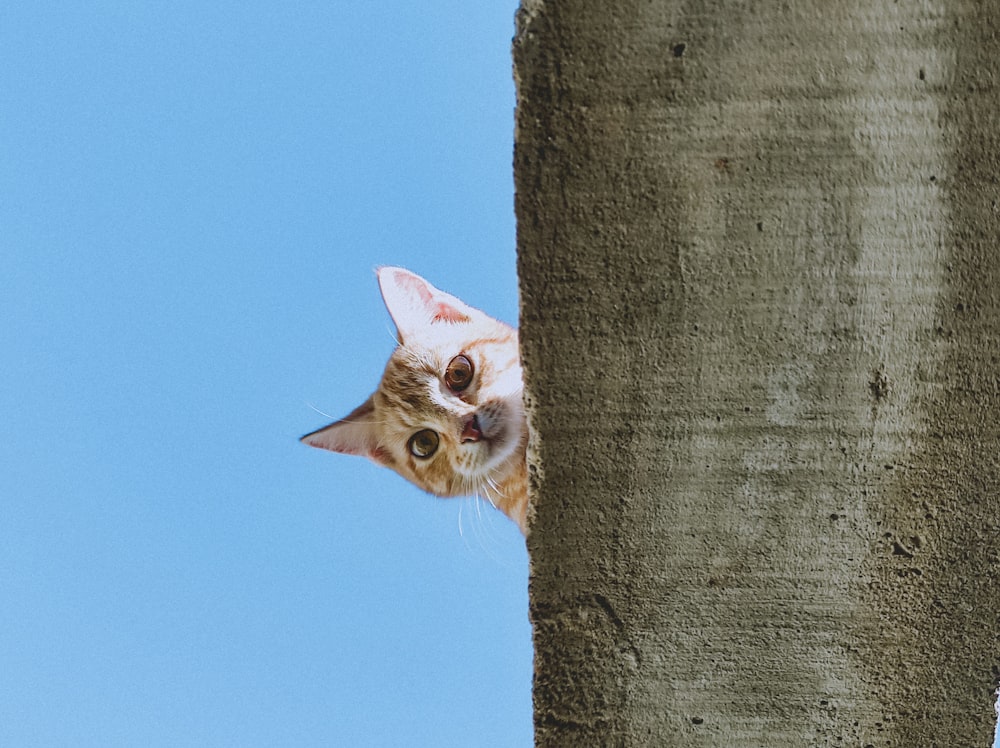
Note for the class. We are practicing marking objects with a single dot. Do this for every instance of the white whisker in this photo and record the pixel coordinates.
(392, 334)
(317, 410)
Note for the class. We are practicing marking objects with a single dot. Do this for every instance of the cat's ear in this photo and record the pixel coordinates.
(414, 303)
(354, 435)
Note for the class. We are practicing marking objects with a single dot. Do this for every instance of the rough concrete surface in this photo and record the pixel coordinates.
(759, 255)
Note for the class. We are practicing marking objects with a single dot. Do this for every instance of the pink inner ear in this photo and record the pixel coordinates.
(446, 313)
(404, 280)
(440, 311)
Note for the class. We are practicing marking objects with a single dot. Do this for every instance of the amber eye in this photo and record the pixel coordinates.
(459, 373)
(424, 443)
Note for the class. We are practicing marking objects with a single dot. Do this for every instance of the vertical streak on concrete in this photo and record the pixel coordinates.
(938, 516)
(761, 334)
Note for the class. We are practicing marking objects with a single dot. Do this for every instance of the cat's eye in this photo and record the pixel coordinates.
(459, 373)
(424, 443)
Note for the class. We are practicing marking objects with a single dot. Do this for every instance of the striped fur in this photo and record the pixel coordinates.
(481, 432)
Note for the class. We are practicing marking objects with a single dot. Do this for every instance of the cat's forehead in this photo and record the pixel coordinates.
(409, 392)
(410, 368)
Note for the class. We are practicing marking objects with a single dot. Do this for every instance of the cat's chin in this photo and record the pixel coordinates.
(499, 450)
(501, 443)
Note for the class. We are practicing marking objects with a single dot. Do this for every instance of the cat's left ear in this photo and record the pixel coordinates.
(414, 303)
(354, 435)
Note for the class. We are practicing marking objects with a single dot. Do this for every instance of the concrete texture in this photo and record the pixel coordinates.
(760, 275)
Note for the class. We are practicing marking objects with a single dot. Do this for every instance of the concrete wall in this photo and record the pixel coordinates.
(759, 255)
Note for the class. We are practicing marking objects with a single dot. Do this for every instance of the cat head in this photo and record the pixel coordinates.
(448, 414)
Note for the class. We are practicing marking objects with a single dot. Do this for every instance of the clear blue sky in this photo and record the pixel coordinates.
(193, 197)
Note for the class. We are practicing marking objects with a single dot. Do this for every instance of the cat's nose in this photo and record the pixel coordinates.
(471, 432)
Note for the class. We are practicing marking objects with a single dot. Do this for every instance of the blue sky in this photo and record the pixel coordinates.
(194, 198)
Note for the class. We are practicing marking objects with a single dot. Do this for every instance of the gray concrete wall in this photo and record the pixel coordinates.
(760, 276)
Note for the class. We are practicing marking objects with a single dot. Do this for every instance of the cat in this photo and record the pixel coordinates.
(448, 414)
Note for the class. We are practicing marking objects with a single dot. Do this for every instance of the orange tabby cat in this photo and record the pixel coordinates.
(448, 414)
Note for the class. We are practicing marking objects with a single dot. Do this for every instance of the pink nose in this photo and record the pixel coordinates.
(472, 432)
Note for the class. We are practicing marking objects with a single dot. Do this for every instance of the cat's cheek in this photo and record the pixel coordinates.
(509, 383)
